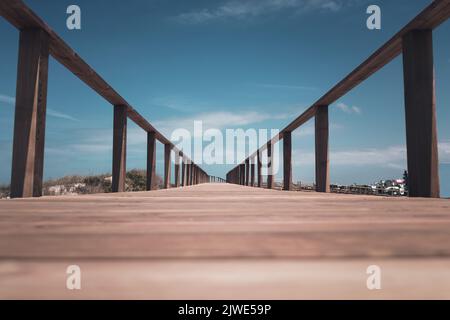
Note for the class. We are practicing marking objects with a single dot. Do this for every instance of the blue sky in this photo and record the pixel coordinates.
(246, 64)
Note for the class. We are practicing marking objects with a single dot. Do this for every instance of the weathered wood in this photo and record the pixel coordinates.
(151, 161)
(119, 167)
(30, 113)
(321, 150)
(420, 111)
(287, 161)
(259, 168)
(270, 161)
(223, 240)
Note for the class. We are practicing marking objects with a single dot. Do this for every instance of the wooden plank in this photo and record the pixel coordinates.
(420, 111)
(119, 167)
(321, 150)
(30, 113)
(211, 279)
(151, 183)
(287, 161)
(224, 221)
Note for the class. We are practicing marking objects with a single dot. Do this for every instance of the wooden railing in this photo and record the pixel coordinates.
(37, 42)
(414, 41)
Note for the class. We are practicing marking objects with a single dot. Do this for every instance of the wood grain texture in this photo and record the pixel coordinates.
(321, 150)
(119, 167)
(211, 237)
(151, 161)
(287, 161)
(420, 114)
(30, 114)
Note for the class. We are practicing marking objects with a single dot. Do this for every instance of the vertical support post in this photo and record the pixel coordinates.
(252, 172)
(177, 169)
(242, 174)
(247, 172)
(270, 182)
(151, 160)
(420, 112)
(321, 141)
(287, 160)
(183, 172)
(191, 174)
(30, 114)
(259, 167)
(167, 151)
(119, 149)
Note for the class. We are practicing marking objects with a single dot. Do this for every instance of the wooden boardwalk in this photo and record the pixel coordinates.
(224, 241)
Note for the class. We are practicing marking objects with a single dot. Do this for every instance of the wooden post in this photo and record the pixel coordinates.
(191, 174)
(247, 172)
(259, 168)
(252, 172)
(167, 151)
(183, 172)
(420, 112)
(270, 181)
(119, 149)
(287, 160)
(29, 121)
(151, 160)
(177, 169)
(321, 139)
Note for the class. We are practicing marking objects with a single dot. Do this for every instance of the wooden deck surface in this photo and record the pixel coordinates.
(224, 241)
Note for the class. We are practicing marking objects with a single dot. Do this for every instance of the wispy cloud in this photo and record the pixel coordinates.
(284, 86)
(7, 99)
(218, 120)
(349, 109)
(60, 115)
(50, 112)
(309, 130)
(245, 9)
(390, 157)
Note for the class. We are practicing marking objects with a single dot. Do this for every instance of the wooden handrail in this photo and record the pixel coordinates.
(430, 18)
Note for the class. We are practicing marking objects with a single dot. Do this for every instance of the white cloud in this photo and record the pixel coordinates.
(391, 156)
(60, 115)
(50, 112)
(245, 9)
(348, 109)
(7, 99)
(283, 86)
(217, 120)
(309, 129)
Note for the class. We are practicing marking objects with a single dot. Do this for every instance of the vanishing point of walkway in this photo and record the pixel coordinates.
(224, 241)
